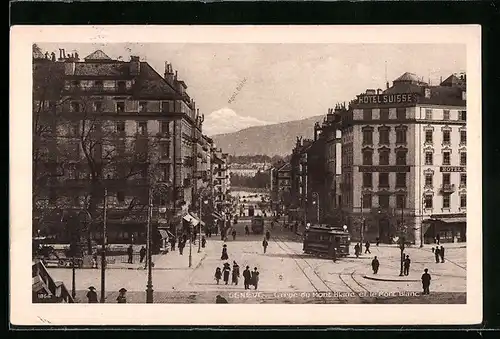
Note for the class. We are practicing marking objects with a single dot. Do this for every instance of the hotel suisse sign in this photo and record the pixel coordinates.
(400, 98)
(400, 168)
(448, 169)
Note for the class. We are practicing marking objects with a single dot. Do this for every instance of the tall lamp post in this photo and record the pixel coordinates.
(200, 202)
(103, 252)
(316, 202)
(362, 228)
(190, 244)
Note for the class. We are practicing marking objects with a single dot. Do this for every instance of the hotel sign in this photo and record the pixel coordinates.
(384, 168)
(448, 169)
(400, 98)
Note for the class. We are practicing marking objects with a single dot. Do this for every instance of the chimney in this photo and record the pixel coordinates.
(60, 54)
(53, 56)
(135, 65)
(64, 53)
(387, 85)
(440, 79)
(370, 91)
(175, 77)
(379, 91)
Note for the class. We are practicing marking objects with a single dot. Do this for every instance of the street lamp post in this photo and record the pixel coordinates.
(149, 286)
(199, 228)
(362, 228)
(316, 202)
(190, 244)
(103, 252)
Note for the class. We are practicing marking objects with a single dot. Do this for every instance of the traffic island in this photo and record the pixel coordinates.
(389, 278)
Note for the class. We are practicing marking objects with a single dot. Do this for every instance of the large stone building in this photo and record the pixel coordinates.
(404, 161)
(104, 125)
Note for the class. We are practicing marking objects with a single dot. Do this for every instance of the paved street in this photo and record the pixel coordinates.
(286, 274)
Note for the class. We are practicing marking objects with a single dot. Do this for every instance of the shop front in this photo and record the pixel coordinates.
(447, 229)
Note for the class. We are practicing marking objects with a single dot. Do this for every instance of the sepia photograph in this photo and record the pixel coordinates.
(249, 166)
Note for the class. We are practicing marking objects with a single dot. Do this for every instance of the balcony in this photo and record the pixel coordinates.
(447, 188)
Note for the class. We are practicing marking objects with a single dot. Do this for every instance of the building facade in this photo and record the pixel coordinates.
(114, 130)
(404, 161)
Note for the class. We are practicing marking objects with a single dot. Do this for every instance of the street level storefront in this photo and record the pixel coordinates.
(450, 228)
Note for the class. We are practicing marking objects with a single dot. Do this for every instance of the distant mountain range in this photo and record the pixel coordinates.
(274, 139)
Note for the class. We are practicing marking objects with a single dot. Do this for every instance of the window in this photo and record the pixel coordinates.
(401, 113)
(428, 114)
(75, 83)
(446, 201)
(367, 179)
(120, 196)
(463, 201)
(429, 156)
(384, 157)
(367, 137)
(383, 201)
(74, 128)
(463, 179)
(97, 106)
(384, 136)
(446, 137)
(428, 201)
(122, 85)
(463, 137)
(165, 172)
(143, 106)
(400, 180)
(367, 200)
(383, 180)
(446, 114)
(384, 114)
(462, 115)
(446, 178)
(367, 157)
(463, 158)
(446, 158)
(167, 106)
(401, 157)
(401, 136)
(75, 106)
(142, 128)
(367, 114)
(400, 201)
(120, 107)
(99, 84)
(120, 126)
(120, 148)
(144, 172)
(428, 136)
(165, 149)
(429, 180)
(165, 127)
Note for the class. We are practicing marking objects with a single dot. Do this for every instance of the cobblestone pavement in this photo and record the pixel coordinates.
(287, 275)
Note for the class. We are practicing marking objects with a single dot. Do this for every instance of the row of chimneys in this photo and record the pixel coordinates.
(63, 57)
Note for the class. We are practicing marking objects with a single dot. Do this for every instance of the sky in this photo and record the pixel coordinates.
(255, 84)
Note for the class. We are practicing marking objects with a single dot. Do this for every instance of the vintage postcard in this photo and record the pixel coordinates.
(321, 175)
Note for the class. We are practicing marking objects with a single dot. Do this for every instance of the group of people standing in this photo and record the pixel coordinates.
(438, 253)
(358, 248)
(249, 277)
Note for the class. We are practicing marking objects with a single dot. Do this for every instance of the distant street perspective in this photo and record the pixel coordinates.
(138, 197)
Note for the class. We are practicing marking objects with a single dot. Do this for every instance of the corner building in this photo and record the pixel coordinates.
(404, 161)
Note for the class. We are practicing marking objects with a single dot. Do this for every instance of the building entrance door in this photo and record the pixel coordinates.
(383, 230)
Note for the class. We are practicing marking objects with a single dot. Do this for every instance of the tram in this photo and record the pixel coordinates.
(258, 224)
(320, 239)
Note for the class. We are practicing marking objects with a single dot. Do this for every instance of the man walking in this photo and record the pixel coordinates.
(142, 254)
(441, 253)
(406, 265)
(255, 278)
(130, 252)
(367, 247)
(375, 265)
(426, 281)
(265, 244)
(246, 277)
(437, 254)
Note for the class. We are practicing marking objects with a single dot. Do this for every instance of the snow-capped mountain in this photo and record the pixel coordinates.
(226, 120)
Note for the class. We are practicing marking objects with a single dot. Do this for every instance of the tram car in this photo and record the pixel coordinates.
(319, 240)
(258, 224)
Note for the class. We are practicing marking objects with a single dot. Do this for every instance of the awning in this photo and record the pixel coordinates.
(190, 219)
(164, 234)
(453, 220)
(197, 218)
(217, 215)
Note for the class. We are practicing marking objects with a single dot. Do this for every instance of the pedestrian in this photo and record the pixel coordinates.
(218, 275)
(426, 281)
(236, 273)
(438, 239)
(406, 265)
(356, 250)
(255, 278)
(247, 230)
(432, 249)
(268, 235)
(94, 259)
(203, 241)
(247, 277)
(130, 252)
(375, 265)
(378, 241)
(441, 253)
(224, 255)
(92, 295)
(265, 244)
(272, 225)
(122, 297)
(181, 246)
(225, 271)
(367, 247)
(437, 254)
(142, 253)
(233, 233)
(173, 240)
(220, 300)
(332, 252)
